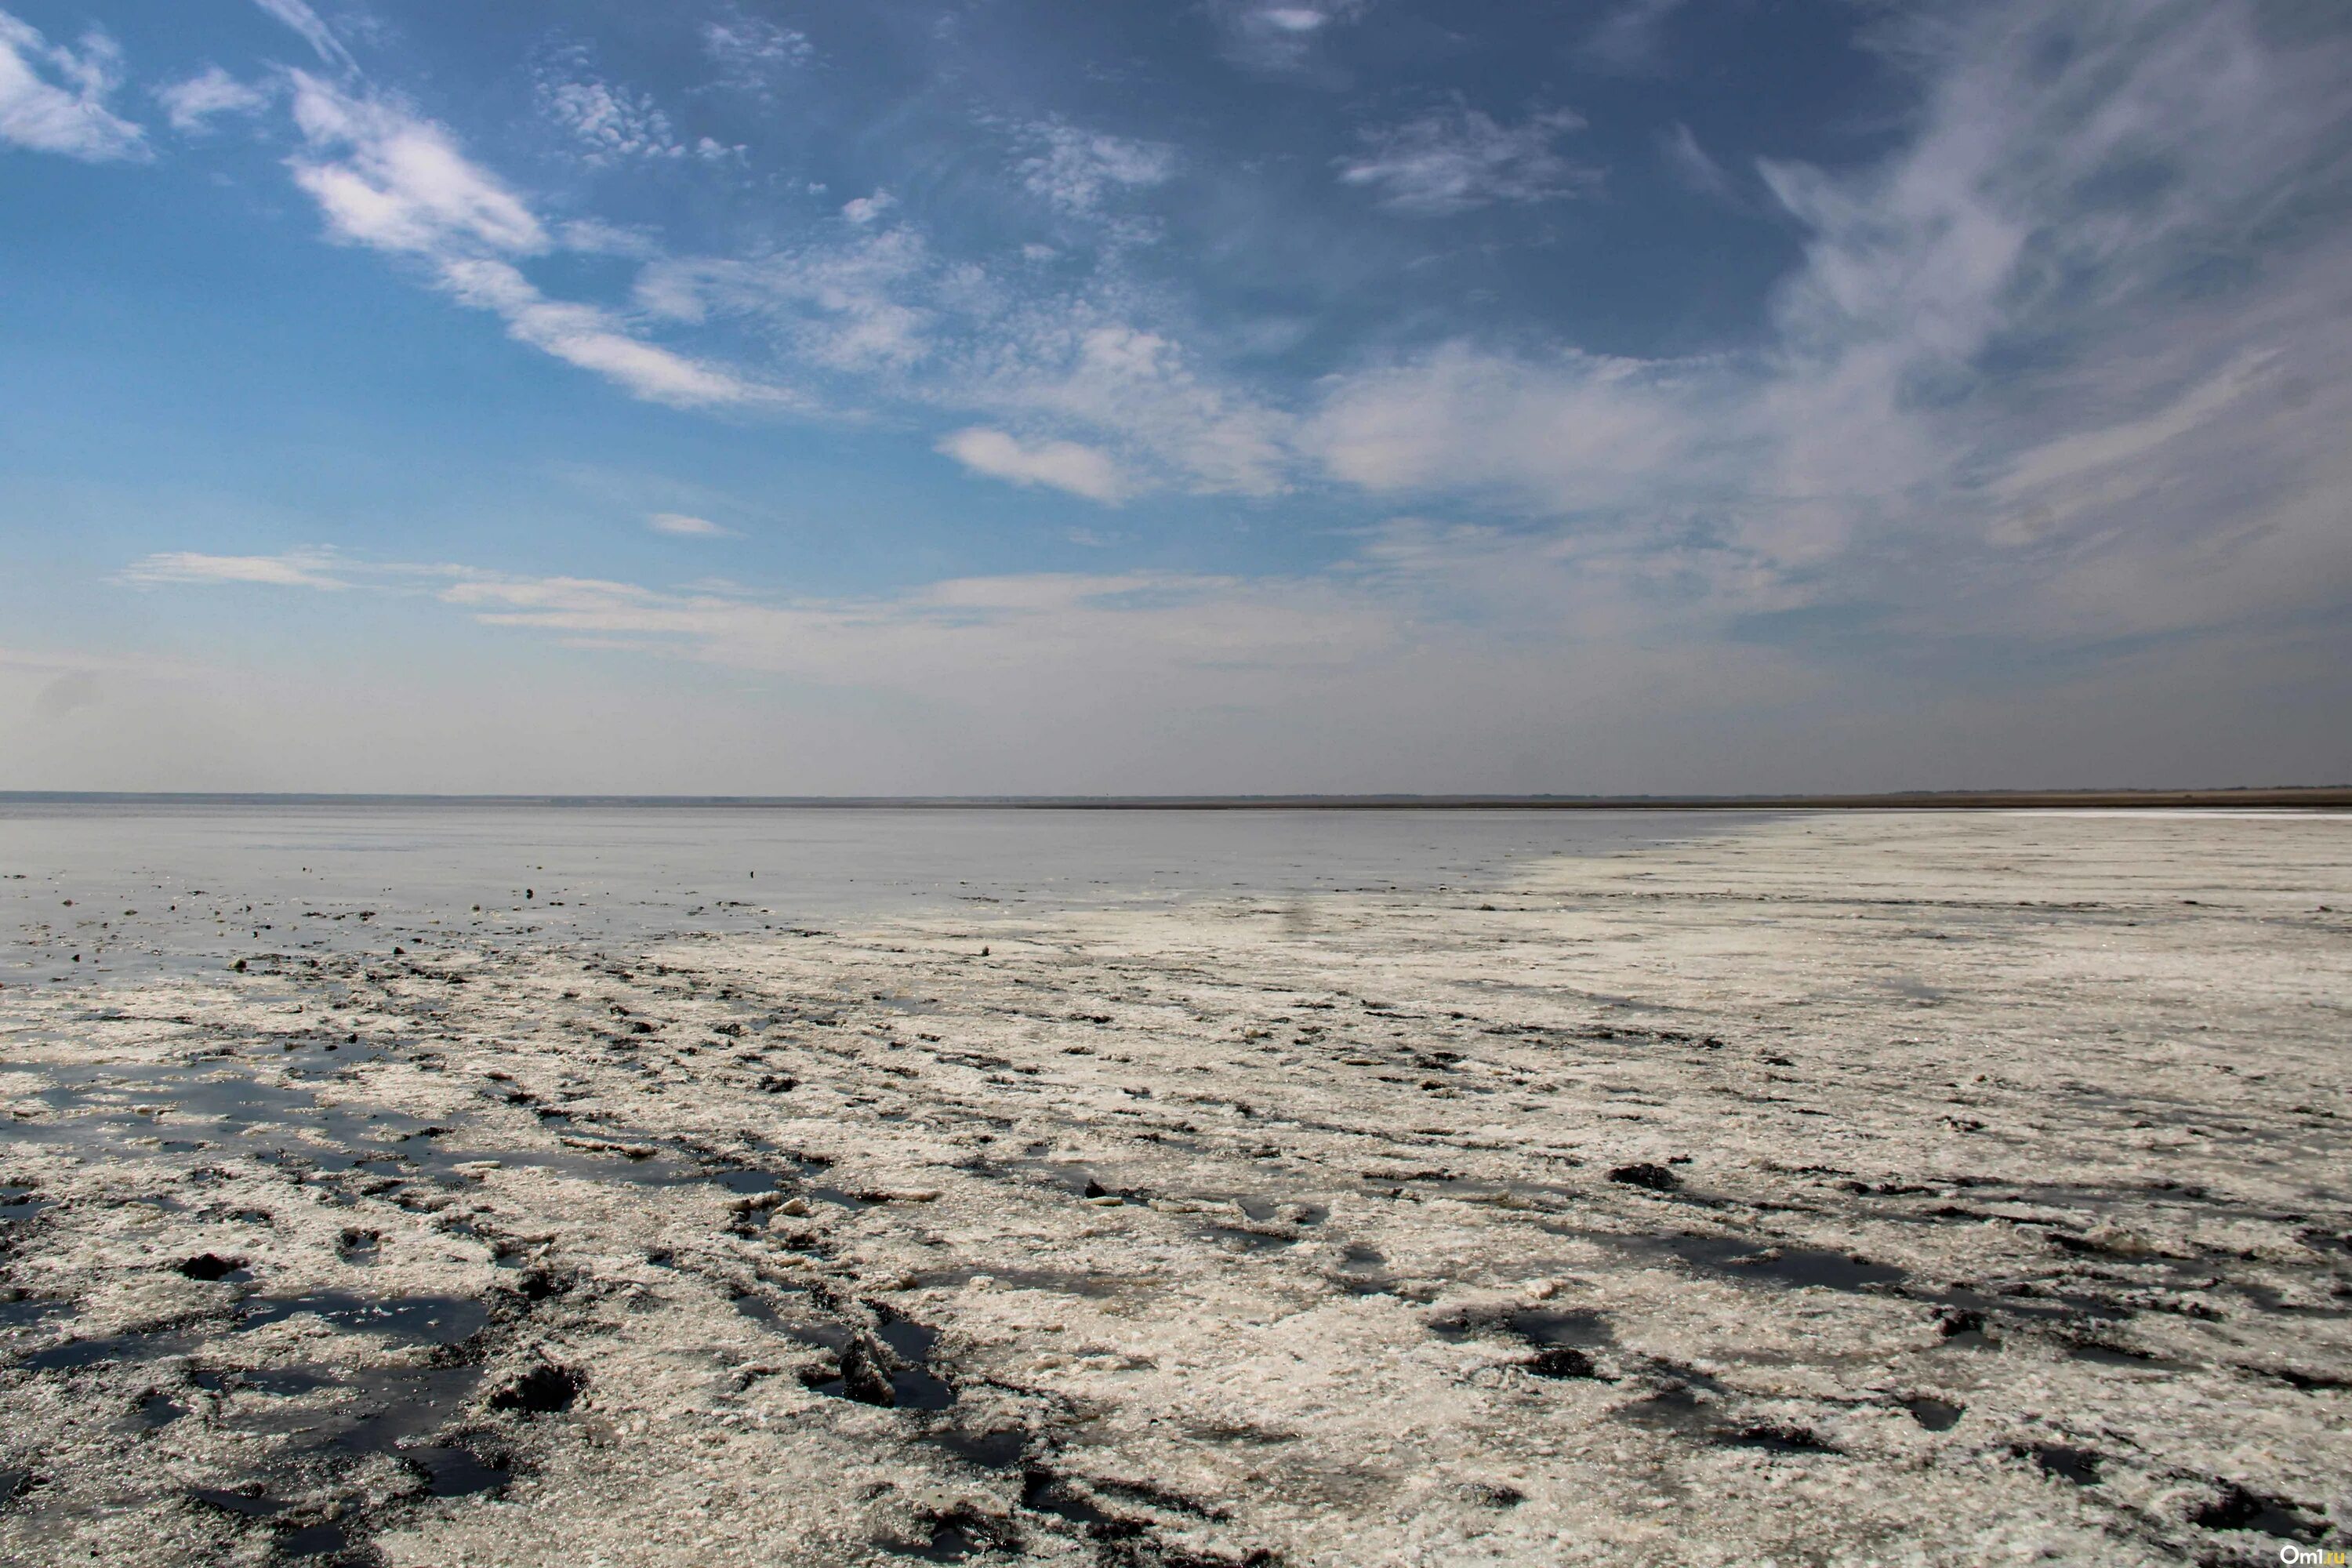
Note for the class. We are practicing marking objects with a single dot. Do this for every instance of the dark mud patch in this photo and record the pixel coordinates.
(2238, 1509)
(955, 1536)
(1044, 1492)
(2067, 1463)
(1561, 1362)
(542, 1390)
(1775, 1438)
(1642, 1173)
(1676, 1408)
(1796, 1267)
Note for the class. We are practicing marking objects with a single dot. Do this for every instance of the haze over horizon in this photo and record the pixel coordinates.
(1248, 396)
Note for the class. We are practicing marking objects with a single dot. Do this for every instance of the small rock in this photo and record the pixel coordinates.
(1642, 1173)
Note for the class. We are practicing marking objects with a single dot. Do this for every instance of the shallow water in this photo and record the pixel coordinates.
(112, 888)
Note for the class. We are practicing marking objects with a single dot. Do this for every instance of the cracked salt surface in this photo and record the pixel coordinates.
(1832, 1188)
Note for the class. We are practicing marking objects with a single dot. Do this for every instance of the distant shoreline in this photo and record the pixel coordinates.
(2323, 797)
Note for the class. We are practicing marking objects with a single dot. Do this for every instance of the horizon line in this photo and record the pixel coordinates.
(2309, 796)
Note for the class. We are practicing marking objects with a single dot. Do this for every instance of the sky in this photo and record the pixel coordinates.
(997, 396)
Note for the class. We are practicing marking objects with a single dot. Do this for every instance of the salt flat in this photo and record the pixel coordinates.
(1903, 1188)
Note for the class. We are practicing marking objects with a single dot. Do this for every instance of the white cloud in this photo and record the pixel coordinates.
(1075, 170)
(1064, 464)
(193, 104)
(296, 569)
(862, 210)
(1453, 160)
(389, 178)
(297, 15)
(53, 99)
(688, 527)
(1278, 35)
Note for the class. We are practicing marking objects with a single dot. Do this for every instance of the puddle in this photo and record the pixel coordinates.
(320, 1539)
(2238, 1509)
(989, 1450)
(74, 1354)
(915, 1386)
(899, 1376)
(453, 1469)
(1792, 1266)
(21, 1203)
(281, 1382)
(243, 1504)
(2080, 1465)
(29, 1311)
(419, 1320)
(1546, 1328)
(1935, 1415)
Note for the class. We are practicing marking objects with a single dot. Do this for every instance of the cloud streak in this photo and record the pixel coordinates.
(1062, 465)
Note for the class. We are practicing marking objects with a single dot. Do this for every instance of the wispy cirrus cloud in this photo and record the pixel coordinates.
(306, 23)
(387, 177)
(1452, 160)
(685, 525)
(53, 98)
(1631, 40)
(1692, 163)
(291, 569)
(1993, 338)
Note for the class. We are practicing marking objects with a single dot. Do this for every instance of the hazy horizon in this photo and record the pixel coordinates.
(1337, 397)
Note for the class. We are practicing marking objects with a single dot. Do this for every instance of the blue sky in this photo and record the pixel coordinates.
(1234, 396)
